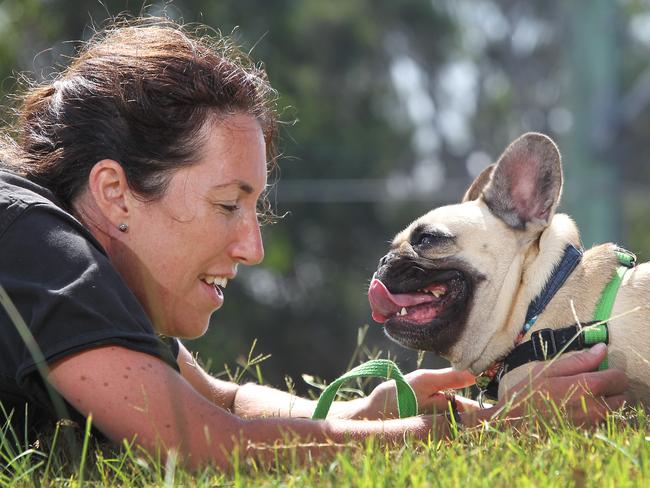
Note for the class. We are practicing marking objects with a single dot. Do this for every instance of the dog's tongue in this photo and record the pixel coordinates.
(385, 305)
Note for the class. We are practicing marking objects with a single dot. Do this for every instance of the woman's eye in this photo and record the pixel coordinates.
(227, 208)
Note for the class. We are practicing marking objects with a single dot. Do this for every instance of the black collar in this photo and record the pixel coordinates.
(562, 271)
(528, 351)
(545, 344)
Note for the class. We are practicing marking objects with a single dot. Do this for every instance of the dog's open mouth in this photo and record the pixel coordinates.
(419, 306)
(422, 317)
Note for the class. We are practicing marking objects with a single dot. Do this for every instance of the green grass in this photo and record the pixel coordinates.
(537, 454)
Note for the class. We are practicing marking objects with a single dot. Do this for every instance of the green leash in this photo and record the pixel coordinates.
(599, 333)
(407, 404)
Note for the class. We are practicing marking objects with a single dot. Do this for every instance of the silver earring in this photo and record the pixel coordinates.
(123, 227)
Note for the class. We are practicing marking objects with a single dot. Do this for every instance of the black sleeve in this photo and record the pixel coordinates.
(68, 293)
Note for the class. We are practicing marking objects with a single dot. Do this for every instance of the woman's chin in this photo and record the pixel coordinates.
(186, 327)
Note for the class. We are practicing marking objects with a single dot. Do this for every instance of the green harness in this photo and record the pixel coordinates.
(599, 332)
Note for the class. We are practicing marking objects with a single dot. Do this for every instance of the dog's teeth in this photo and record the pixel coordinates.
(403, 311)
(437, 293)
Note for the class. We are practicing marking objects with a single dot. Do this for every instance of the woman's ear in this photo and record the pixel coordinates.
(108, 186)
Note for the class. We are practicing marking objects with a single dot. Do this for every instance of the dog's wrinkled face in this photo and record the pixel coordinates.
(426, 287)
(457, 268)
(422, 292)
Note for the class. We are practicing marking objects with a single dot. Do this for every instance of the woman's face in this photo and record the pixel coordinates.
(180, 250)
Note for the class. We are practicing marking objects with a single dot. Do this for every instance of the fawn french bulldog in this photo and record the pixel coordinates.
(499, 281)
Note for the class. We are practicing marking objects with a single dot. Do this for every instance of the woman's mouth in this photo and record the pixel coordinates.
(214, 285)
(220, 281)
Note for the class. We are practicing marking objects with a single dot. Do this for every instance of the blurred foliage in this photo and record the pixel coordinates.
(390, 108)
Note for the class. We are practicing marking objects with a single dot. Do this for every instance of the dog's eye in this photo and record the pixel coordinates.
(425, 239)
(428, 237)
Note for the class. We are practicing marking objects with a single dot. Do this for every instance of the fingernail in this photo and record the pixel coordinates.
(598, 349)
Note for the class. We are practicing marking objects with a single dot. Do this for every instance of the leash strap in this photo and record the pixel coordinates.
(407, 404)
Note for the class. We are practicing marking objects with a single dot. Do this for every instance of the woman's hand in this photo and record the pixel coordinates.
(428, 385)
(573, 383)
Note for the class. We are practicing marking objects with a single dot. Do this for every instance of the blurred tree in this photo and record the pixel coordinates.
(592, 97)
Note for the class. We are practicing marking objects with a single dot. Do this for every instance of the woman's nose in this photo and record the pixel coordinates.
(248, 247)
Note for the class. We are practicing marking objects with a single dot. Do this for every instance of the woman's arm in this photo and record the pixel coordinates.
(134, 395)
(572, 375)
(251, 400)
(254, 400)
(221, 393)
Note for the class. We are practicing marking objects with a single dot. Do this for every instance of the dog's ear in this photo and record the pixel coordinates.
(476, 188)
(526, 182)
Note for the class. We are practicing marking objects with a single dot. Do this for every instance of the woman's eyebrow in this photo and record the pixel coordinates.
(242, 185)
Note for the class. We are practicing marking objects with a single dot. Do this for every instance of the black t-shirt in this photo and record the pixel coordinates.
(68, 294)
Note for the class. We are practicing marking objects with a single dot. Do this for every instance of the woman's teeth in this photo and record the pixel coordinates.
(219, 281)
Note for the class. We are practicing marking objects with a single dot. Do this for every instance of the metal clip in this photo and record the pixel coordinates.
(544, 346)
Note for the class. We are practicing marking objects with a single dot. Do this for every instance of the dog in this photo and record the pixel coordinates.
(461, 280)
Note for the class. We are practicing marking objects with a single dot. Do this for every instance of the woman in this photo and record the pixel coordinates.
(127, 202)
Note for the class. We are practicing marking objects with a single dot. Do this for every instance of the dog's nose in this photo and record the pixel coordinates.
(384, 260)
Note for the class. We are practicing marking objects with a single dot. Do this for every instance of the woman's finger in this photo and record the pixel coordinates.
(466, 404)
(579, 362)
(440, 379)
(597, 383)
(616, 402)
(593, 411)
(605, 383)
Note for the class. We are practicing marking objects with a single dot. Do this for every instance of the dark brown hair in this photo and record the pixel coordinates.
(138, 93)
